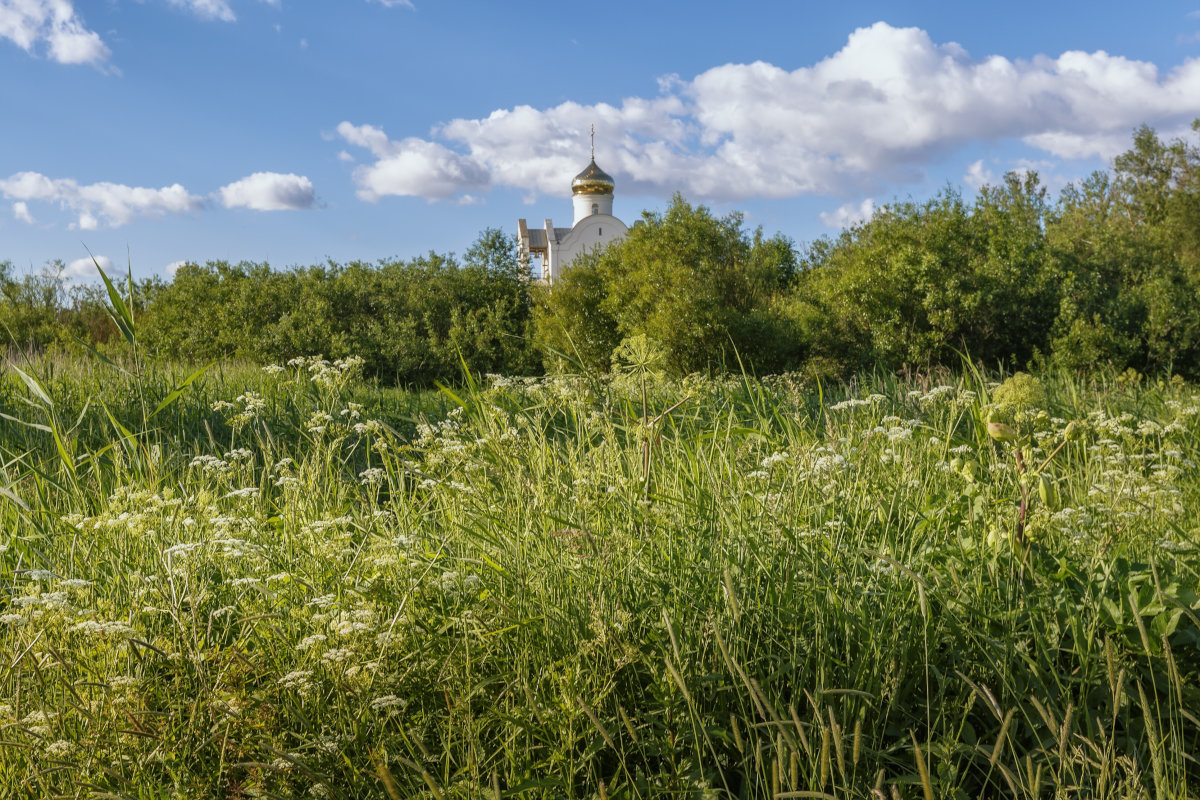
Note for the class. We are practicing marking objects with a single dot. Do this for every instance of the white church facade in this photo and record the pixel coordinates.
(594, 226)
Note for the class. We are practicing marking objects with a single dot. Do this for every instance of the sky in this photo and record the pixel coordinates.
(147, 133)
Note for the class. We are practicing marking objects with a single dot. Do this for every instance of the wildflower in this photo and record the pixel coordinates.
(59, 749)
(311, 641)
(337, 656)
(318, 422)
(38, 722)
(104, 629)
(1016, 401)
(775, 458)
(389, 703)
(371, 477)
(300, 680)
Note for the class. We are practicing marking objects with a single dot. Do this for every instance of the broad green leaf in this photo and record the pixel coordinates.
(34, 386)
(118, 310)
(173, 396)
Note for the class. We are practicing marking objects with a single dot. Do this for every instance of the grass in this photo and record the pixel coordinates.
(577, 587)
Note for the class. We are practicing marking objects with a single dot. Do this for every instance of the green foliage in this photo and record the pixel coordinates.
(43, 310)
(570, 322)
(700, 285)
(1128, 246)
(412, 322)
(920, 283)
(1108, 274)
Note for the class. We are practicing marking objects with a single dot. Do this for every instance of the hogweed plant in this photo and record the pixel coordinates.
(640, 359)
(1017, 419)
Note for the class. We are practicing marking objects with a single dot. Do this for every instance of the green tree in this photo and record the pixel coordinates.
(699, 285)
(413, 321)
(1129, 248)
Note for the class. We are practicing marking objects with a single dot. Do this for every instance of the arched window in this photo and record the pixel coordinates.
(595, 208)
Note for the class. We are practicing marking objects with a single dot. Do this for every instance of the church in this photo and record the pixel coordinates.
(594, 225)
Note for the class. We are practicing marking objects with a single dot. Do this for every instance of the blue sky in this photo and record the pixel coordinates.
(160, 131)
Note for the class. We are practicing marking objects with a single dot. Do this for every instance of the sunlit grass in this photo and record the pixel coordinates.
(289, 584)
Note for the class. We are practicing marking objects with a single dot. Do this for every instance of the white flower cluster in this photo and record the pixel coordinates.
(332, 376)
(870, 400)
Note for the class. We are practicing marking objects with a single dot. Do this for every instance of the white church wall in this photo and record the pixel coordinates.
(596, 231)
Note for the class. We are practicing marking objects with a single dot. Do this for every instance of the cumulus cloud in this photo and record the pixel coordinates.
(56, 27)
(269, 191)
(848, 214)
(53, 25)
(412, 166)
(21, 212)
(207, 9)
(877, 111)
(977, 176)
(110, 204)
(85, 269)
(173, 267)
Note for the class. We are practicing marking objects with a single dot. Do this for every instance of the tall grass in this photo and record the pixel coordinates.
(570, 587)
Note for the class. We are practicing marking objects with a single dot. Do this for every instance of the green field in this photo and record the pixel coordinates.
(287, 583)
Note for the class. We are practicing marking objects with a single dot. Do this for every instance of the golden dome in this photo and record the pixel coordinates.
(592, 180)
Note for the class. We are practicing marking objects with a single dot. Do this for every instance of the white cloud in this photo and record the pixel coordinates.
(848, 214)
(85, 268)
(394, 3)
(412, 167)
(173, 267)
(269, 191)
(977, 176)
(879, 110)
(56, 26)
(112, 204)
(53, 24)
(207, 9)
(21, 212)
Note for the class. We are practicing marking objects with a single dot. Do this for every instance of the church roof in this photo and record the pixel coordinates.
(592, 180)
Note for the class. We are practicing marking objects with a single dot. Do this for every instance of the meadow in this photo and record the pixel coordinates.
(286, 582)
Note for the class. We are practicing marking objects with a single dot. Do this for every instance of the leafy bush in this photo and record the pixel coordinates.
(412, 322)
(700, 285)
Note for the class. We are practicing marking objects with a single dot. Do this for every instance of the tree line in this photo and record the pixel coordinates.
(1107, 273)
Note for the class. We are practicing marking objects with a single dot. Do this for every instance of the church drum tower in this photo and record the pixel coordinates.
(594, 225)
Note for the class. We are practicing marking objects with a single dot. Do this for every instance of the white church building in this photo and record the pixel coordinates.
(594, 226)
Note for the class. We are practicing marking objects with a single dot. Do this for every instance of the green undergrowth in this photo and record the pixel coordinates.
(285, 583)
